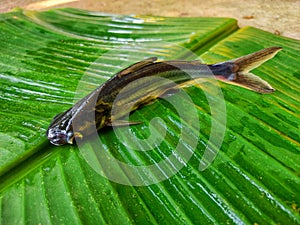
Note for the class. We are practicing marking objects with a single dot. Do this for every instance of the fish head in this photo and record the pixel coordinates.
(58, 136)
(60, 131)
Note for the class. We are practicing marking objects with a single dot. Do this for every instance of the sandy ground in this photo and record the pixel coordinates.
(281, 17)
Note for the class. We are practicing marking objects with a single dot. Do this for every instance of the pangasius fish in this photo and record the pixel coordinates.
(98, 104)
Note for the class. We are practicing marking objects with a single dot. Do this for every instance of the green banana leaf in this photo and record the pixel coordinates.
(50, 59)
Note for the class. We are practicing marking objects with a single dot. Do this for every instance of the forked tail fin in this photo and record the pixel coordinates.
(244, 64)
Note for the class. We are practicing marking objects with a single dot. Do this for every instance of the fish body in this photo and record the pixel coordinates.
(94, 110)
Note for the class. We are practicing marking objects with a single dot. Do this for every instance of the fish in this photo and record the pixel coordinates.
(94, 110)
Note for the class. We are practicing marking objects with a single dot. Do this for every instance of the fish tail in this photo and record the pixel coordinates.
(237, 70)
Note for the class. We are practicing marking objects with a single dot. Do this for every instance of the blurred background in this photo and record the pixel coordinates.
(281, 17)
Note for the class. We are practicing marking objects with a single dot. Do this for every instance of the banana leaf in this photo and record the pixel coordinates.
(50, 59)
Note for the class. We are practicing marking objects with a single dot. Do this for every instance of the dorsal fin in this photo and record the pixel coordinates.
(137, 66)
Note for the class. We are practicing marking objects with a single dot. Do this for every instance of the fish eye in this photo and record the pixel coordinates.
(70, 137)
